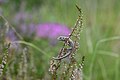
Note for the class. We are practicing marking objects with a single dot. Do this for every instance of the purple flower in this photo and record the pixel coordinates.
(20, 17)
(10, 36)
(51, 30)
(23, 28)
(32, 28)
(3, 1)
(27, 29)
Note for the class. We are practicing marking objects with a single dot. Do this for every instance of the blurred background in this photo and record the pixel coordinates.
(40, 22)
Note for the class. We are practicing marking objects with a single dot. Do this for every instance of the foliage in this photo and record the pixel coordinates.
(99, 40)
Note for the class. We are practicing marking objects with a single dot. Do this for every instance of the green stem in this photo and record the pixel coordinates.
(8, 24)
(31, 45)
(117, 69)
(94, 53)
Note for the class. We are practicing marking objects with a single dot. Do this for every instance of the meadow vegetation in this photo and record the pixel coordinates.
(32, 27)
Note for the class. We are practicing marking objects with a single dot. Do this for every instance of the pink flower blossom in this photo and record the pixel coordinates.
(51, 30)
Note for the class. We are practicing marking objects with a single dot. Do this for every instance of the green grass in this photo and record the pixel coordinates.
(100, 39)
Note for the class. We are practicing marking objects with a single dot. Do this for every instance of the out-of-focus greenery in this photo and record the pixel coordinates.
(100, 38)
